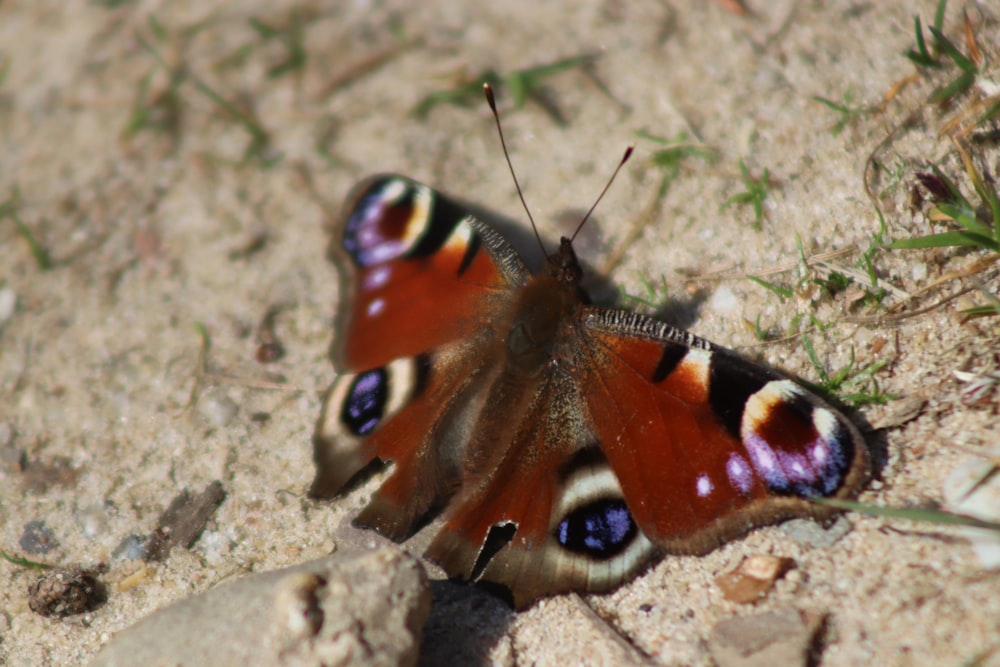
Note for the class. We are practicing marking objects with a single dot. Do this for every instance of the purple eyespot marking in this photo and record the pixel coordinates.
(817, 469)
(376, 278)
(765, 462)
(375, 307)
(365, 402)
(376, 229)
(704, 486)
(600, 529)
(739, 473)
(819, 453)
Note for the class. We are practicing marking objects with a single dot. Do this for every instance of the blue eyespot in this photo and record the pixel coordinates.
(365, 402)
(600, 529)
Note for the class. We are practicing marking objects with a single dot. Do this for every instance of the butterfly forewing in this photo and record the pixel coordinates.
(416, 274)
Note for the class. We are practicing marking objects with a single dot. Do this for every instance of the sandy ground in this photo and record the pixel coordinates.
(153, 231)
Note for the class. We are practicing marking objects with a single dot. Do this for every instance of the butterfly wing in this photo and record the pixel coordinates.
(644, 440)
(417, 271)
(421, 281)
(543, 504)
(705, 444)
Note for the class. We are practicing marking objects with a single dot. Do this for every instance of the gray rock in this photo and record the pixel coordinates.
(972, 488)
(818, 536)
(785, 636)
(37, 538)
(352, 608)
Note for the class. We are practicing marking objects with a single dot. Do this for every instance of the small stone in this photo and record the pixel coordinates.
(215, 546)
(136, 579)
(184, 520)
(8, 304)
(351, 608)
(40, 476)
(973, 489)
(37, 538)
(753, 579)
(781, 637)
(899, 412)
(132, 547)
(93, 520)
(269, 352)
(6, 435)
(724, 302)
(64, 592)
(810, 533)
(218, 409)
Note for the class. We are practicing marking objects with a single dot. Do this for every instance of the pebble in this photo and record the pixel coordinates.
(37, 538)
(355, 607)
(812, 534)
(781, 637)
(973, 489)
(218, 409)
(8, 304)
(132, 547)
(65, 592)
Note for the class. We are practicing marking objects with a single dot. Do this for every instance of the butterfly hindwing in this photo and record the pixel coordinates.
(547, 515)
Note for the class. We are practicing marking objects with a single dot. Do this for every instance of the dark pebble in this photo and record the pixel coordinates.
(37, 538)
(64, 592)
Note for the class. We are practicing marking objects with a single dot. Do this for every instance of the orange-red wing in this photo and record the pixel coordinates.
(518, 520)
(417, 273)
(707, 445)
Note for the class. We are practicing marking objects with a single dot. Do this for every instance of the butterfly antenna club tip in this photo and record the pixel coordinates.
(621, 163)
(491, 100)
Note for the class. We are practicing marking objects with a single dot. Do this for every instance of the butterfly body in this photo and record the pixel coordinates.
(562, 445)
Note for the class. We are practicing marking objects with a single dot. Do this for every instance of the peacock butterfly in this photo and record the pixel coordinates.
(560, 445)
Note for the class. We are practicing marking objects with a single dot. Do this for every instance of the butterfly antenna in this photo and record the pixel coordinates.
(488, 89)
(628, 154)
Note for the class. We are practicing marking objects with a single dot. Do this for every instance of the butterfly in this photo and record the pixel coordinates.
(557, 445)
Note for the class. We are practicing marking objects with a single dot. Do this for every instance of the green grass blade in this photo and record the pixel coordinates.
(993, 110)
(956, 87)
(957, 57)
(824, 377)
(8, 209)
(986, 193)
(939, 517)
(939, 15)
(920, 56)
(988, 310)
(24, 562)
(945, 240)
(783, 292)
(966, 217)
